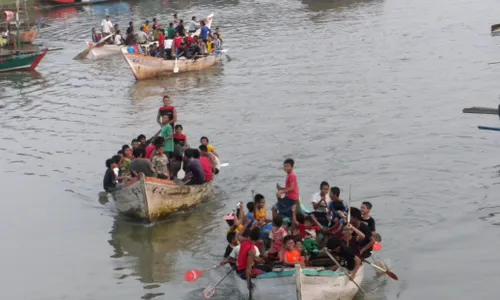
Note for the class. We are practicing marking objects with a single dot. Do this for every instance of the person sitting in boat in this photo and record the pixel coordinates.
(153, 50)
(277, 236)
(361, 240)
(204, 32)
(168, 48)
(182, 51)
(142, 36)
(189, 40)
(242, 235)
(299, 245)
(147, 27)
(289, 255)
(160, 163)
(308, 231)
(118, 38)
(210, 44)
(141, 138)
(141, 164)
(110, 180)
(346, 258)
(205, 164)
(217, 30)
(204, 141)
(95, 36)
(320, 202)
(194, 170)
(335, 196)
(127, 157)
(232, 243)
(193, 25)
(177, 42)
(248, 255)
(289, 195)
(366, 208)
(214, 161)
(176, 20)
(203, 47)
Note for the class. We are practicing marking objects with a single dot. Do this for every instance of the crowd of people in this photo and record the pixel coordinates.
(291, 236)
(178, 40)
(162, 156)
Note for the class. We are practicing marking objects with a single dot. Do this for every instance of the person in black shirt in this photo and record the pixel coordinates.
(366, 207)
(346, 258)
(130, 29)
(180, 28)
(362, 241)
(110, 180)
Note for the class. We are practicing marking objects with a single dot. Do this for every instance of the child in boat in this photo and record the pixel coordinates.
(289, 256)
(160, 163)
(290, 193)
(232, 242)
(167, 109)
(248, 255)
(210, 148)
(110, 180)
(277, 236)
(299, 245)
(366, 208)
(308, 230)
(151, 148)
(335, 197)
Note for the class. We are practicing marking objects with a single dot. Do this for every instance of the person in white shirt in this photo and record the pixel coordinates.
(142, 37)
(193, 25)
(168, 48)
(320, 202)
(107, 26)
(118, 38)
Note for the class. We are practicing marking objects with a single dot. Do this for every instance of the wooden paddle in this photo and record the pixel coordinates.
(150, 140)
(176, 68)
(387, 272)
(349, 232)
(481, 110)
(84, 53)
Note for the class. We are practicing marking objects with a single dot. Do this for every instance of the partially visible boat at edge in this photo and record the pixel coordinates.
(310, 284)
(24, 61)
(153, 199)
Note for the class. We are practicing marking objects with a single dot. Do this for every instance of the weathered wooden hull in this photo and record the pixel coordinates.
(337, 287)
(333, 288)
(104, 50)
(153, 199)
(145, 67)
(27, 61)
(25, 36)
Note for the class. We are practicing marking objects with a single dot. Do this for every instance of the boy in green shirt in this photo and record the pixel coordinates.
(168, 135)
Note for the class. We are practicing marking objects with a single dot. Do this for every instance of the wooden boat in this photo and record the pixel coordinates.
(495, 29)
(24, 61)
(144, 67)
(76, 2)
(109, 50)
(153, 199)
(310, 284)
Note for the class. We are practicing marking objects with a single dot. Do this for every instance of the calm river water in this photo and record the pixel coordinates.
(367, 93)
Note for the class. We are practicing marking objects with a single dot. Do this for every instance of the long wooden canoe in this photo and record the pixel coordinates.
(310, 284)
(144, 67)
(153, 199)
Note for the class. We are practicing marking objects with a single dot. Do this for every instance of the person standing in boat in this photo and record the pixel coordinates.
(171, 31)
(192, 26)
(167, 110)
(180, 28)
(205, 164)
(130, 29)
(142, 37)
(205, 30)
(176, 20)
(168, 134)
(107, 27)
(146, 27)
(161, 43)
(217, 42)
(247, 255)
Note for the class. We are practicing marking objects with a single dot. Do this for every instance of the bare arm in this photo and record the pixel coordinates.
(368, 246)
(174, 119)
(357, 265)
(361, 236)
(215, 153)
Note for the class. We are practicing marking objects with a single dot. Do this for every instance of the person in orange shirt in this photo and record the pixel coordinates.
(147, 27)
(290, 256)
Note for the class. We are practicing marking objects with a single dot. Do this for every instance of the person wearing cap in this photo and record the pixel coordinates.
(147, 27)
(107, 27)
(192, 25)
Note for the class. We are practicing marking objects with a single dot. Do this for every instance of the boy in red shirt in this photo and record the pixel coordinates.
(290, 193)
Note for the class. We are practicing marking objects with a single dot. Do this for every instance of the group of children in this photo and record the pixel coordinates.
(177, 41)
(258, 243)
(162, 156)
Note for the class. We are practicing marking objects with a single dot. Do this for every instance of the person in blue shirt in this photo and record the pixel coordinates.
(204, 31)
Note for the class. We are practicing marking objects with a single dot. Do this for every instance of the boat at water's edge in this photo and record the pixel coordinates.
(27, 61)
(153, 199)
(312, 284)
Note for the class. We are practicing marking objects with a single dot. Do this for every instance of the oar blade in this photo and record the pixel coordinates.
(83, 54)
(392, 275)
(209, 292)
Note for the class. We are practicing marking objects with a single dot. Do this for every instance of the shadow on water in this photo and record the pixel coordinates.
(155, 249)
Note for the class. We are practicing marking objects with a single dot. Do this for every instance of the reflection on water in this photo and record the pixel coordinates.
(156, 248)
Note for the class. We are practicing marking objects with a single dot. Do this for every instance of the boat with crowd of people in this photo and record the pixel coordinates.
(106, 50)
(153, 199)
